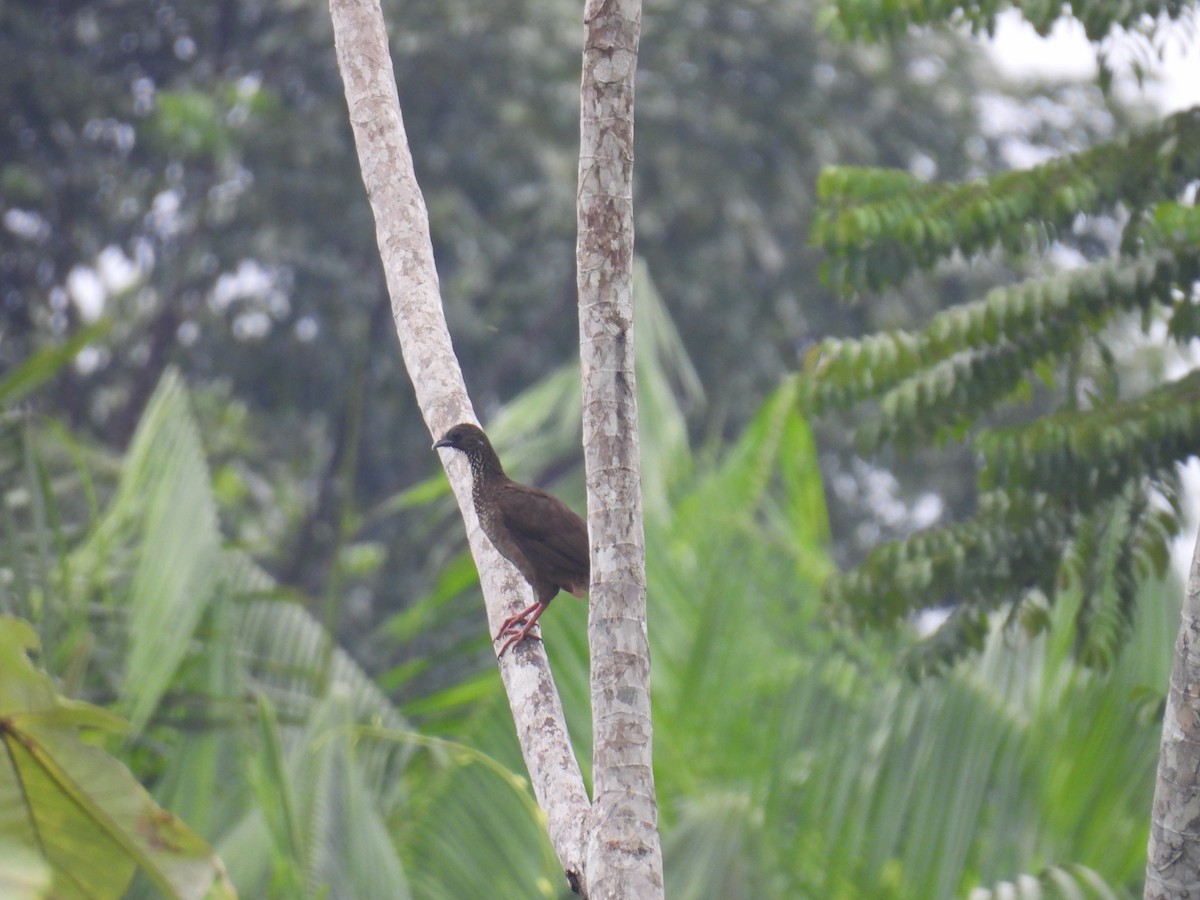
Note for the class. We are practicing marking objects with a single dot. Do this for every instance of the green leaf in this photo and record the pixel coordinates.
(44, 363)
(76, 805)
(166, 490)
(24, 874)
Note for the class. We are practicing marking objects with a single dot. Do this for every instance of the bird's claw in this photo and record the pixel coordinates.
(516, 628)
(516, 638)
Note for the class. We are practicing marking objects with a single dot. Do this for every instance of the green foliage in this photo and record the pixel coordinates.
(1054, 492)
(46, 362)
(878, 19)
(239, 696)
(879, 227)
(75, 806)
(794, 761)
(1088, 455)
(24, 875)
(1178, 222)
(973, 356)
(210, 153)
(165, 499)
(792, 758)
(1081, 498)
(318, 826)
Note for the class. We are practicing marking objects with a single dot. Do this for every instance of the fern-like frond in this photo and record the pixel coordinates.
(1009, 548)
(974, 356)
(876, 20)
(1123, 544)
(877, 234)
(1089, 455)
(1021, 546)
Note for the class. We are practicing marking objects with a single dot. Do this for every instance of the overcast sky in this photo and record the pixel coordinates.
(1019, 51)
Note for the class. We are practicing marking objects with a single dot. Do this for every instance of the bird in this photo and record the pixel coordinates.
(535, 531)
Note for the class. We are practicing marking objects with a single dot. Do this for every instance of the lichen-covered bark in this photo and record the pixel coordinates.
(1173, 863)
(623, 854)
(402, 230)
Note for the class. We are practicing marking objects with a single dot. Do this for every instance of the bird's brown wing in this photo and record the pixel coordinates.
(552, 537)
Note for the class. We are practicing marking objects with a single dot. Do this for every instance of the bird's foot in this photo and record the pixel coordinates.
(517, 627)
(512, 625)
(517, 637)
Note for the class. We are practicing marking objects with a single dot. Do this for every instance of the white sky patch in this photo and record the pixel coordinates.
(1183, 360)
(26, 224)
(117, 272)
(249, 280)
(89, 287)
(254, 296)
(1184, 545)
(164, 216)
(1173, 83)
(307, 328)
(1020, 52)
(90, 358)
(1066, 258)
(926, 510)
(87, 292)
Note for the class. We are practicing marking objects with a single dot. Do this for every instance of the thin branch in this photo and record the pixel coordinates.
(402, 231)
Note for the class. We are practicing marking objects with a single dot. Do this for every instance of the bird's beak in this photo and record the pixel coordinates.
(441, 442)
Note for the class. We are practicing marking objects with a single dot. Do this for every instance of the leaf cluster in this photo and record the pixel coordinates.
(879, 226)
(244, 714)
(78, 810)
(272, 743)
(1082, 498)
(880, 19)
(758, 801)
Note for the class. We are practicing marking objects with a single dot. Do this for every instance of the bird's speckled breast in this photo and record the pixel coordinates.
(485, 511)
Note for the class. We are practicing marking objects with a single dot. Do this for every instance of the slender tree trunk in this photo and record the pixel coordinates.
(623, 855)
(402, 230)
(1173, 863)
(609, 848)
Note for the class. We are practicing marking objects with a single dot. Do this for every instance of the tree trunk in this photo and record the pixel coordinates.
(609, 848)
(623, 854)
(402, 231)
(1173, 863)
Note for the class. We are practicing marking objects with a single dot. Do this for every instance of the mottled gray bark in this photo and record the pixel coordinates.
(402, 230)
(623, 855)
(1173, 862)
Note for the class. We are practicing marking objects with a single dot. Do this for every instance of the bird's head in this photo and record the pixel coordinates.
(466, 437)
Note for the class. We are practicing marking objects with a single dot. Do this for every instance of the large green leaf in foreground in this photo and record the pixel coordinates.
(75, 805)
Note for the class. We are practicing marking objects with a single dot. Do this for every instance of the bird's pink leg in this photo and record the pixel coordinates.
(508, 626)
(526, 618)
